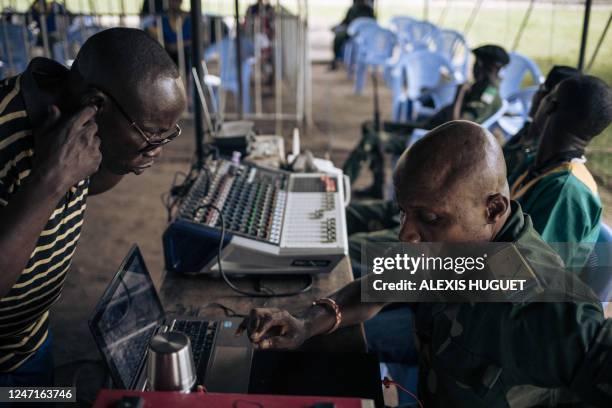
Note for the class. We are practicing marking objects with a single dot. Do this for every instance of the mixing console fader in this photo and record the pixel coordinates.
(275, 222)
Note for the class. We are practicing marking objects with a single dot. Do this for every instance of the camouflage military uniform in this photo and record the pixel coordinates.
(393, 138)
(370, 221)
(515, 354)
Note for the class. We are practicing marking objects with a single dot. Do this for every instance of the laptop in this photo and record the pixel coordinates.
(130, 313)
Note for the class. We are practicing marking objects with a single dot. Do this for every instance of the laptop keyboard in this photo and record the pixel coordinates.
(201, 334)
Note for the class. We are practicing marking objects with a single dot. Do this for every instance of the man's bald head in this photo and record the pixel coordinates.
(456, 171)
(456, 154)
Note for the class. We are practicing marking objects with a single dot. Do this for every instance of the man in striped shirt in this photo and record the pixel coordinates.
(65, 134)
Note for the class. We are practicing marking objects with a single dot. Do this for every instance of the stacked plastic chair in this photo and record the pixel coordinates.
(226, 50)
(419, 35)
(515, 72)
(417, 75)
(413, 35)
(351, 48)
(375, 48)
(453, 46)
(401, 26)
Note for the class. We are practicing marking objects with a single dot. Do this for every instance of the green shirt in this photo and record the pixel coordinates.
(564, 206)
(515, 354)
(479, 103)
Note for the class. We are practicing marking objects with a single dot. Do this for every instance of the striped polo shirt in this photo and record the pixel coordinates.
(24, 310)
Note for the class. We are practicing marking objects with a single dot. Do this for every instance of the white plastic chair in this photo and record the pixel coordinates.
(422, 72)
(513, 75)
(454, 47)
(351, 48)
(511, 89)
(519, 106)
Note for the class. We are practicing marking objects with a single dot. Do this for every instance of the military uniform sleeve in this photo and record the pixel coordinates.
(564, 344)
(481, 102)
(593, 380)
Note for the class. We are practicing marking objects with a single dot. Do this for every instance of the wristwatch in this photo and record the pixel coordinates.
(331, 303)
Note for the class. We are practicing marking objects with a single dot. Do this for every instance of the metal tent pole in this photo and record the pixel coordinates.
(601, 40)
(443, 13)
(585, 34)
(472, 17)
(238, 59)
(519, 34)
(196, 58)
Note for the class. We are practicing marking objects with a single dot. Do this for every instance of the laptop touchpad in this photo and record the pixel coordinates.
(229, 370)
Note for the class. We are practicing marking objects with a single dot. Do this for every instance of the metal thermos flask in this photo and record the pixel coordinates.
(170, 363)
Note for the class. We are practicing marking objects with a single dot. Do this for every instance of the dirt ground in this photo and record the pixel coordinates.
(133, 213)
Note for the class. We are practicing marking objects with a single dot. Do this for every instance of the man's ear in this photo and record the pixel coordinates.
(93, 97)
(497, 205)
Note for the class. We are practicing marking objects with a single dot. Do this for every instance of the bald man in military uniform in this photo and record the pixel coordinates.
(522, 354)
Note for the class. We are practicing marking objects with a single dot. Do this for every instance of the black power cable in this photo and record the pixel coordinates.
(230, 283)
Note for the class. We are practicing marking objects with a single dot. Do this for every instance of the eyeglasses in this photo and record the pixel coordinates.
(152, 144)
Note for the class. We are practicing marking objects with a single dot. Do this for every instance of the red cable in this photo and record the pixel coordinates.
(387, 382)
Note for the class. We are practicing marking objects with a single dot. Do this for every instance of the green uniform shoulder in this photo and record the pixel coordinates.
(485, 354)
(481, 101)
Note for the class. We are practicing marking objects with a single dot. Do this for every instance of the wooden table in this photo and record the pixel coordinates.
(196, 295)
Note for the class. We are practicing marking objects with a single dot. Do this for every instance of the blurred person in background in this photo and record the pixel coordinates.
(259, 26)
(360, 8)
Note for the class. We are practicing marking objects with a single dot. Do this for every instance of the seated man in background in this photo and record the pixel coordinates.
(66, 134)
(476, 102)
(360, 8)
(557, 190)
(521, 149)
(451, 187)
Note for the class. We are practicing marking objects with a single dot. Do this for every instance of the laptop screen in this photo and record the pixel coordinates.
(126, 318)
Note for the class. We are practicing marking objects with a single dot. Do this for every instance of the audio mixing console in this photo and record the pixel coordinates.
(276, 222)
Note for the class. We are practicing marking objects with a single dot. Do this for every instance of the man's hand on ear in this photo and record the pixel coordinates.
(68, 150)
